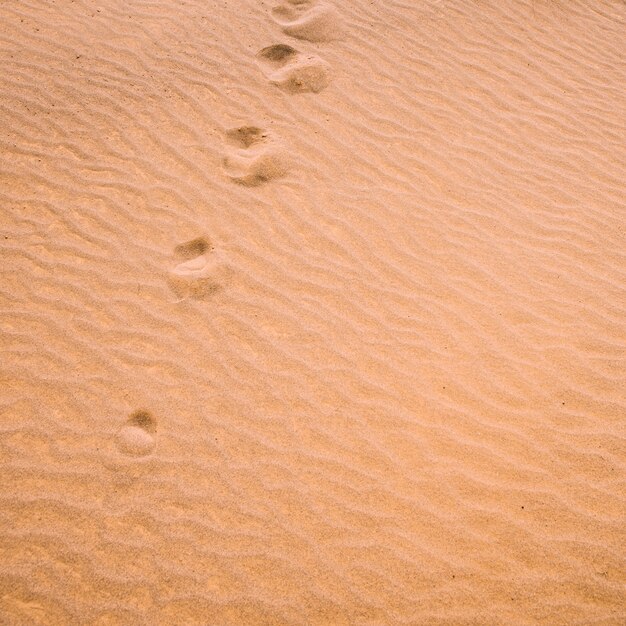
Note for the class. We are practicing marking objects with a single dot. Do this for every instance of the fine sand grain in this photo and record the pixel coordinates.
(313, 312)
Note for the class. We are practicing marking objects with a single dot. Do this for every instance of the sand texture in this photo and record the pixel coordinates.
(313, 312)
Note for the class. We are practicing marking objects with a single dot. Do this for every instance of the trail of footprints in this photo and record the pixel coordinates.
(255, 157)
(285, 66)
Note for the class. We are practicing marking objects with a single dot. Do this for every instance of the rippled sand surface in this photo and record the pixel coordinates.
(313, 313)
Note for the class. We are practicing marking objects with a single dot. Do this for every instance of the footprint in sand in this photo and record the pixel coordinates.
(138, 436)
(255, 157)
(198, 272)
(293, 71)
(308, 19)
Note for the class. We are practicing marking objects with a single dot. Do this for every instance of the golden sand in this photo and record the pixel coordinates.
(313, 312)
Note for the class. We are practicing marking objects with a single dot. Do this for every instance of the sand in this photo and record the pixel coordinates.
(313, 313)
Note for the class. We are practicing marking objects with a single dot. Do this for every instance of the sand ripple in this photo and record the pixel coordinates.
(313, 313)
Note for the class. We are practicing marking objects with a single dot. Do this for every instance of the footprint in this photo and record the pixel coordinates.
(292, 71)
(256, 158)
(198, 273)
(138, 436)
(308, 19)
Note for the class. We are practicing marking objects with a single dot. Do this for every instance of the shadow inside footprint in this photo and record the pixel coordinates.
(308, 19)
(278, 54)
(197, 273)
(138, 436)
(257, 158)
(292, 71)
(245, 136)
(193, 248)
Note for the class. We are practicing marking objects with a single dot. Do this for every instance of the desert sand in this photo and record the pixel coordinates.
(313, 312)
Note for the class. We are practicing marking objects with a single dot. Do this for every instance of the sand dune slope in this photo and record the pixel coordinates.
(313, 312)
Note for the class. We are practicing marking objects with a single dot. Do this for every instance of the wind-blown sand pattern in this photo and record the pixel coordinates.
(348, 357)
